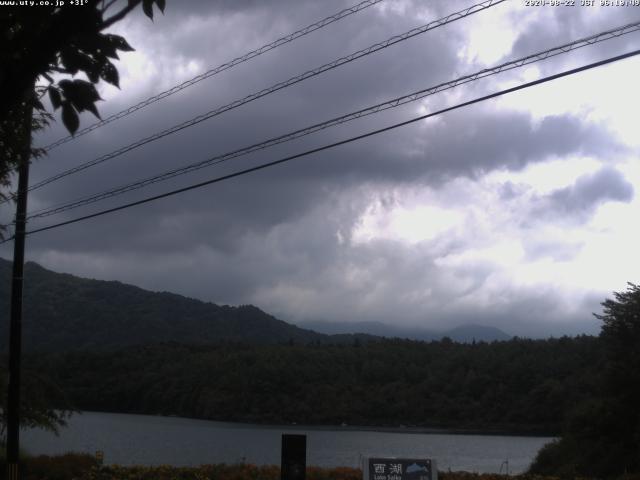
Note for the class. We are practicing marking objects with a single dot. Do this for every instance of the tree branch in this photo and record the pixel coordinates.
(107, 6)
(120, 15)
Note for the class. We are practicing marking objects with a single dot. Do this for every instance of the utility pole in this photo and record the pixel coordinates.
(15, 326)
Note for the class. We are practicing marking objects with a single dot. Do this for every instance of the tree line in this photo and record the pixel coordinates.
(517, 386)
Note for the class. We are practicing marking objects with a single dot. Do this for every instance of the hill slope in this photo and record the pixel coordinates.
(63, 312)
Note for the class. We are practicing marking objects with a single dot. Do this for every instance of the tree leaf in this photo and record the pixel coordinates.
(147, 8)
(93, 109)
(93, 75)
(109, 74)
(119, 42)
(161, 4)
(70, 117)
(82, 95)
(105, 47)
(70, 60)
(86, 90)
(75, 61)
(54, 96)
(65, 85)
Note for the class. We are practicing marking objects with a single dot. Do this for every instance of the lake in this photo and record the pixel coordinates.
(155, 440)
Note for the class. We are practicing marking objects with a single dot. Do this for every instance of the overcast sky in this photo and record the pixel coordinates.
(519, 212)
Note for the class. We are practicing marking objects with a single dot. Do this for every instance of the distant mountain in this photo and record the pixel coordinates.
(65, 312)
(463, 333)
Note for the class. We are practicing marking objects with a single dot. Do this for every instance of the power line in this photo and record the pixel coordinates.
(336, 144)
(278, 86)
(291, 81)
(527, 60)
(220, 68)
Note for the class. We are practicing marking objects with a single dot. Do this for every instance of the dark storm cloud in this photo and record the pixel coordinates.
(303, 252)
(577, 202)
(476, 141)
(607, 184)
(281, 238)
(466, 145)
(317, 99)
(564, 25)
(304, 104)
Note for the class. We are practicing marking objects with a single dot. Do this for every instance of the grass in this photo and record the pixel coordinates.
(74, 466)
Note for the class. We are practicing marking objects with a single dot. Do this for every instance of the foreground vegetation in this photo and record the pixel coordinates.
(601, 436)
(84, 467)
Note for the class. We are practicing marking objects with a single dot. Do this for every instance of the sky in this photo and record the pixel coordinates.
(517, 212)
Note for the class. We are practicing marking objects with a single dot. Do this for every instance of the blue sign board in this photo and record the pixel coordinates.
(400, 469)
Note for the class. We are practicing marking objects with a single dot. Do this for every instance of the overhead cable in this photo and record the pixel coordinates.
(527, 60)
(274, 88)
(335, 144)
(214, 71)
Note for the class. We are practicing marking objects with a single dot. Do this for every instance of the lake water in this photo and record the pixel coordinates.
(154, 440)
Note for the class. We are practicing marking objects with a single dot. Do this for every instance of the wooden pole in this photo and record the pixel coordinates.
(15, 326)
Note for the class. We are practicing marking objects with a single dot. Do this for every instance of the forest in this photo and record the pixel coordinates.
(519, 386)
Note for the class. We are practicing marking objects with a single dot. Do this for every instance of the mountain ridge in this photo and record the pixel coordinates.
(66, 312)
(461, 333)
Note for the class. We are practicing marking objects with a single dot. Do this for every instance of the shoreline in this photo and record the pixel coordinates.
(410, 429)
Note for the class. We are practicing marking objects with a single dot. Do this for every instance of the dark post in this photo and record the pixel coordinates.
(294, 457)
(15, 326)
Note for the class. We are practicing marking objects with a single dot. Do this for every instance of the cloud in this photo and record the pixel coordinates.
(546, 28)
(286, 238)
(579, 201)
